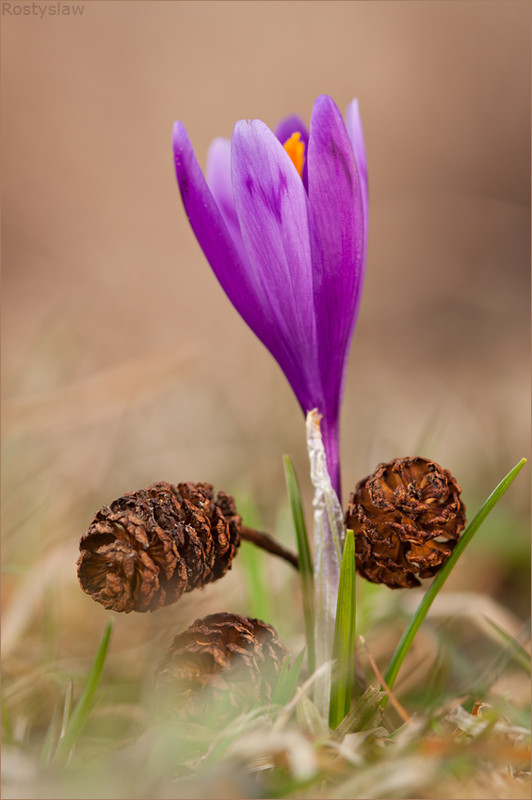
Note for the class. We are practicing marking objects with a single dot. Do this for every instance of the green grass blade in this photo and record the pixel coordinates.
(287, 680)
(81, 713)
(67, 708)
(49, 743)
(366, 713)
(6, 723)
(515, 648)
(430, 595)
(251, 560)
(344, 637)
(49, 740)
(306, 571)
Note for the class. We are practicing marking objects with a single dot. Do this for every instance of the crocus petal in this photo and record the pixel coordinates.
(289, 252)
(356, 134)
(271, 205)
(225, 257)
(338, 243)
(219, 180)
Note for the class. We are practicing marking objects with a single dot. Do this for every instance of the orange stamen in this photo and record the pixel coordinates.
(296, 150)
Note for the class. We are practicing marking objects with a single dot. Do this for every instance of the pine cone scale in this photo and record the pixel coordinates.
(147, 548)
(226, 653)
(407, 517)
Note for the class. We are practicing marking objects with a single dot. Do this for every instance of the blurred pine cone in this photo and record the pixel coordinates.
(407, 517)
(230, 655)
(149, 547)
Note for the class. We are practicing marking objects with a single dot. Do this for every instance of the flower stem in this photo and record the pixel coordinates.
(266, 542)
(328, 534)
(330, 430)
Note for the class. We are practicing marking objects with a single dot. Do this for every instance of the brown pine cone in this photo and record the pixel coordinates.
(229, 655)
(149, 547)
(407, 517)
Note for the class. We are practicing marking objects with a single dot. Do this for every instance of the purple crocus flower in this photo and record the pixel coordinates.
(282, 219)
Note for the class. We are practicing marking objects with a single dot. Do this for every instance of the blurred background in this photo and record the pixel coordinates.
(123, 361)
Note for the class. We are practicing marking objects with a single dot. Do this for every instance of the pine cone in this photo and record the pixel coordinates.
(407, 517)
(230, 655)
(149, 547)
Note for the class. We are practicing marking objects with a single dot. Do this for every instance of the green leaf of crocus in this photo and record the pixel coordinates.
(344, 637)
(305, 559)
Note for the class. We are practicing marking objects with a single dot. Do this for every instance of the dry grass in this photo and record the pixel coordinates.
(462, 733)
(68, 451)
